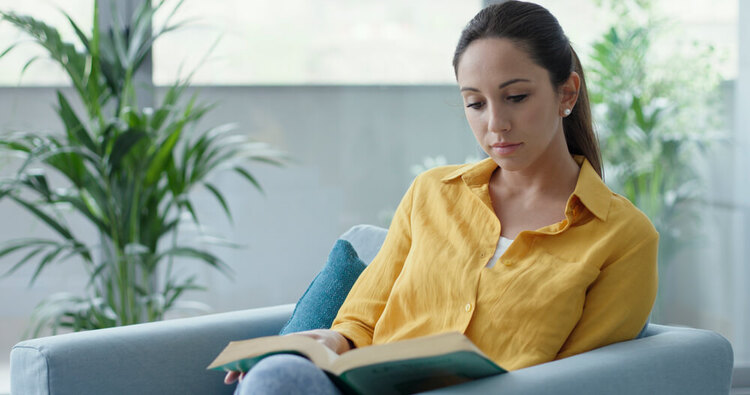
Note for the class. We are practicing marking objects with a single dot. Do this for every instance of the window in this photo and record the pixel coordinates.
(43, 71)
(320, 42)
(713, 23)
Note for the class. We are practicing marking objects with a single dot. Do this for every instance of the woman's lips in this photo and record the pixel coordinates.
(506, 148)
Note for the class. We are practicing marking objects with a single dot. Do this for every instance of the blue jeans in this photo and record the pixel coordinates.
(286, 374)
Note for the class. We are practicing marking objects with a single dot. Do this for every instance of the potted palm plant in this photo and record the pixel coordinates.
(129, 171)
(657, 116)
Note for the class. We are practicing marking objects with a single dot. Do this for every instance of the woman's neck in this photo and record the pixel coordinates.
(550, 177)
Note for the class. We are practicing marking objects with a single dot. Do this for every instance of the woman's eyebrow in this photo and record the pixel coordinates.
(503, 85)
(513, 81)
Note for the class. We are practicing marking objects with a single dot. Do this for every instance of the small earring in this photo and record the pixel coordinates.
(566, 112)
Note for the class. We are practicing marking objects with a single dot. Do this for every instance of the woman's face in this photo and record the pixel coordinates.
(511, 105)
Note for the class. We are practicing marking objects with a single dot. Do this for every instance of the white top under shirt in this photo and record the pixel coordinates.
(502, 245)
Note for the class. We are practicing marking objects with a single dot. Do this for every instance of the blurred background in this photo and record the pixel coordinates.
(361, 96)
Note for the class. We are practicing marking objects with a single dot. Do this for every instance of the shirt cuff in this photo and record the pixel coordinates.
(355, 333)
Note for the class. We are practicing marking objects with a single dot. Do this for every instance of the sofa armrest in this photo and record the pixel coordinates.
(669, 360)
(166, 357)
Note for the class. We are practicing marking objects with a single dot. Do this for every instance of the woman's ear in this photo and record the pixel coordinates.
(569, 93)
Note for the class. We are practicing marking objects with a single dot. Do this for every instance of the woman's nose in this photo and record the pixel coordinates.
(498, 121)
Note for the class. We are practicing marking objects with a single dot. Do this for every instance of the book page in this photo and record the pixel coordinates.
(241, 355)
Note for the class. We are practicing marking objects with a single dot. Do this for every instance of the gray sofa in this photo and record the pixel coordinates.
(170, 357)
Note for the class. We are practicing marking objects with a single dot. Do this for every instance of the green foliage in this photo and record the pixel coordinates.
(656, 114)
(129, 171)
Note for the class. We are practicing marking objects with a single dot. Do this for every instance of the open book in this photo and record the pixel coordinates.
(402, 367)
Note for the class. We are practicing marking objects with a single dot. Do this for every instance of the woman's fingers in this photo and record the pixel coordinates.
(232, 376)
(331, 339)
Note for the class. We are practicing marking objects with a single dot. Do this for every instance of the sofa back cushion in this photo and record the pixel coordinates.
(320, 303)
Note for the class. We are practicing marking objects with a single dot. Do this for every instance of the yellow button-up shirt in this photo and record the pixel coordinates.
(585, 282)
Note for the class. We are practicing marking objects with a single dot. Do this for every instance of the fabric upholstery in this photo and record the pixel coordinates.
(366, 240)
(318, 306)
(166, 357)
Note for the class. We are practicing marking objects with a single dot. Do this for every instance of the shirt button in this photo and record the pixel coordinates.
(468, 307)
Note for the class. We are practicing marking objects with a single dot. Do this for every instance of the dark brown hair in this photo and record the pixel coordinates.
(536, 30)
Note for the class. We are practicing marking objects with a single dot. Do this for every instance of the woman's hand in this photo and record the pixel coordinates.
(233, 376)
(331, 339)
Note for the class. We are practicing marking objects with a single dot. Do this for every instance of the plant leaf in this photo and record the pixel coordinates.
(164, 152)
(250, 178)
(190, 252)
(45, 261)
(81, 35)
(23, 261)
(220, 198)
(51, 222)
(27, 65)
(7, 50)
(122, 146)
(76, 130)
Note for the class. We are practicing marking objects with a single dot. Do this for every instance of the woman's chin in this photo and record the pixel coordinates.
(510, 162)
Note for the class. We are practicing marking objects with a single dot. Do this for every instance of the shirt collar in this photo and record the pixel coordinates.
(590, 189)
(474, 173)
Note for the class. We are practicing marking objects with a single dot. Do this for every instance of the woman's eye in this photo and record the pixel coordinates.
(475, 105)
(517, 98)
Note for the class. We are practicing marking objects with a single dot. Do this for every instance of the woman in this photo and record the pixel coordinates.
(527, 252)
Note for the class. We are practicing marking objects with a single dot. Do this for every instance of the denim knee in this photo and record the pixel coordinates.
(286, 374)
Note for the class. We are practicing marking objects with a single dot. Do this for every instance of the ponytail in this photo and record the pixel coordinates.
(578, 126)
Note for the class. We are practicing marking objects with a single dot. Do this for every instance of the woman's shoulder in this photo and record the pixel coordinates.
(628, 216)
